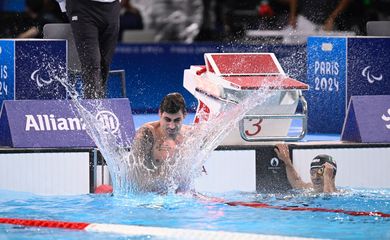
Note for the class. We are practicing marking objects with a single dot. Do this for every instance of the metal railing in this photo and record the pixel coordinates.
(301, 135)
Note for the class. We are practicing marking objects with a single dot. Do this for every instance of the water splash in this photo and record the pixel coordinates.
(127, 167)
(181, 168)
(109, 144)
(206, 136)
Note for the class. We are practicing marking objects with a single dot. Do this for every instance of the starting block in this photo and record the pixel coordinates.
(226, 77)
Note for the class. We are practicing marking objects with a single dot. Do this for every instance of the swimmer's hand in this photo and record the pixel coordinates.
(329, 180)
(283, 153)
(328, 170)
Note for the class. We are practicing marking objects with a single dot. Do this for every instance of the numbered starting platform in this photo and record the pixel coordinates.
(226, 78)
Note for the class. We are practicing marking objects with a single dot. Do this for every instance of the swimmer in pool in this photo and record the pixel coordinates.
(155, 143)
(322, 171)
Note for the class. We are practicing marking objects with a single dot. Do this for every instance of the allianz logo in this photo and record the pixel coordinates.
(49, 122)
(370, 77)
(387, 118)
(110, 121)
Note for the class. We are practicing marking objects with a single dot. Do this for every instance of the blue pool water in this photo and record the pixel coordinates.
(175, 211)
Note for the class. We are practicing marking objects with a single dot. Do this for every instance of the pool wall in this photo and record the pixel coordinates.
(229, 168)
(358, 165)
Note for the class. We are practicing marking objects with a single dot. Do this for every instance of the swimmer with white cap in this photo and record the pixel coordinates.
(323, 170)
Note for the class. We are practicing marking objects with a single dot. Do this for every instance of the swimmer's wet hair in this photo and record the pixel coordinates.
(172, 103)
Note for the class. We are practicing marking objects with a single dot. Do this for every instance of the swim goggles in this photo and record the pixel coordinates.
(319, 171)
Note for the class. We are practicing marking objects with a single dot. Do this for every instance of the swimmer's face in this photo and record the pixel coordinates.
(171, 123)
(317, 178)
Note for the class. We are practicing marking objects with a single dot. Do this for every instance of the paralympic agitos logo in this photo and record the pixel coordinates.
(51, 122)
(370, 77)
(387, 118)
(36, 76)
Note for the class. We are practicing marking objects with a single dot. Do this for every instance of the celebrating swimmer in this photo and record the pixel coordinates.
(322, 171)
(155, 144)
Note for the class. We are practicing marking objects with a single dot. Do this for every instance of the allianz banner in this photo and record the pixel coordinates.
(55, 123)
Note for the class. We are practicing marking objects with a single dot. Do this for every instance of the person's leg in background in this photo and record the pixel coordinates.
(95, 27)
(88, 49)
(86, 32)
(108, 37)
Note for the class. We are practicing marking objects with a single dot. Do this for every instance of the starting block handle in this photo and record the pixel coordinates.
(301, 135)
(215, 97)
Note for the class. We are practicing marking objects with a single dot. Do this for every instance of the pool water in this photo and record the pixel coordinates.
(178, 211)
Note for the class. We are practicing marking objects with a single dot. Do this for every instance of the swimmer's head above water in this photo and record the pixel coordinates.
(172, 112)
(322, 168)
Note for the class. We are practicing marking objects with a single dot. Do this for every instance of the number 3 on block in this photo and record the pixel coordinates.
(257, 127)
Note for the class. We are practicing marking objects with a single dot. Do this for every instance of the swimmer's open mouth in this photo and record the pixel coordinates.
(171, 131)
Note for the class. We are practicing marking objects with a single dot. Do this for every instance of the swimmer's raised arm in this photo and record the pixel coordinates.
(293, 177)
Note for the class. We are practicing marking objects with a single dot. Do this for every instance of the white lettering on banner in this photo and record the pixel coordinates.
(370, 78)
(3, 72)
(329, 82)
(3, 77)
(3, 88)
(31, 123)
(46, 122)
(329, 68)
(326, 84)
(387, 118)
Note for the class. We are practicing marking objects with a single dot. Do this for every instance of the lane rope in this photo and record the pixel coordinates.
(290, 208)
(171, 233)
(308, 209)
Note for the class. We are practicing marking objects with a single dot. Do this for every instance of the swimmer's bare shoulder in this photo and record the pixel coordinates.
(144, 138)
